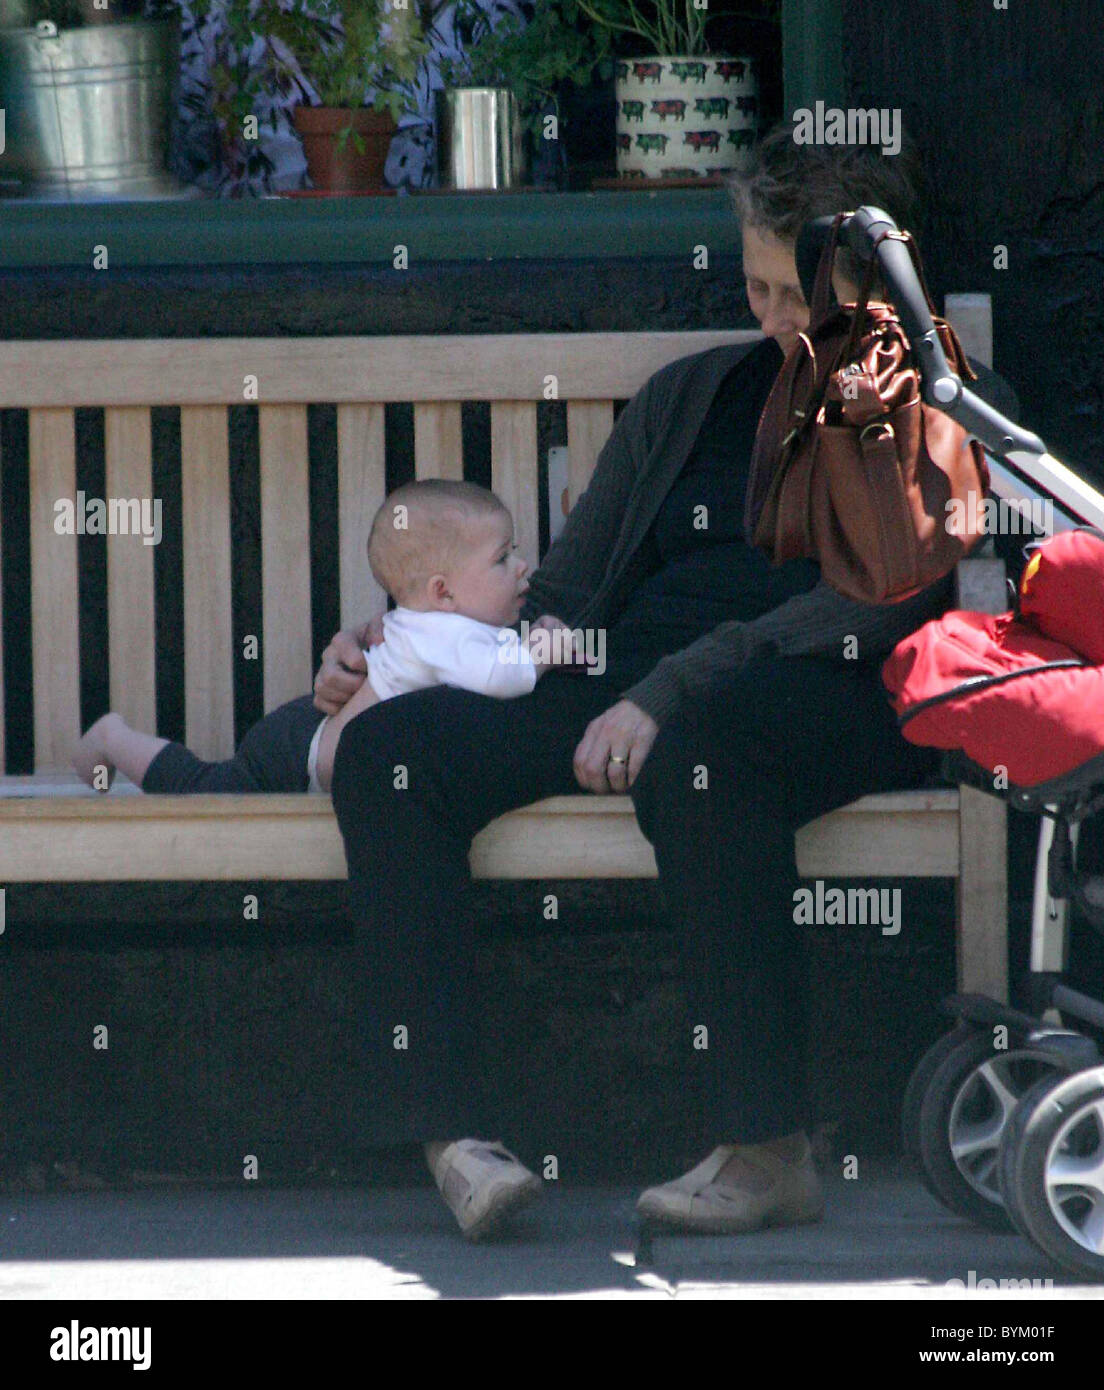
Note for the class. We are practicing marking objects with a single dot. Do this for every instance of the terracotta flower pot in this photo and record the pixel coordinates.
(341, 169)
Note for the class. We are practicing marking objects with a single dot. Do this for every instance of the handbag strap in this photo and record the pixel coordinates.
(858, 319)
(976, 683)
(819, 306)
(914, 252)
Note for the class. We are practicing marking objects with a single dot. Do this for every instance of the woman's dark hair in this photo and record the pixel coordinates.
(790, 184)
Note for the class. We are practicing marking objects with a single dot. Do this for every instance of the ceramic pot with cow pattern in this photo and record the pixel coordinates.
(685, 117)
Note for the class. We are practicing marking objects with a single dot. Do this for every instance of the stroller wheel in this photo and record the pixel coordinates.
(1007, 1158)
(966, 1107)
(918, 1083)
(1052, 1170)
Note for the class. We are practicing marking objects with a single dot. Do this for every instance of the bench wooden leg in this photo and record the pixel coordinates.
(982, 894)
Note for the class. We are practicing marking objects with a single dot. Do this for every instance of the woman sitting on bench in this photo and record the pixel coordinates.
(729, 710)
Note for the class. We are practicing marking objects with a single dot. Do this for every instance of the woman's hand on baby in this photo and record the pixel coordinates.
(343, 668)
(623, 730)
(370, 634)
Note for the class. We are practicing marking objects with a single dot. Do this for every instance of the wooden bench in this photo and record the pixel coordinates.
(53, 829)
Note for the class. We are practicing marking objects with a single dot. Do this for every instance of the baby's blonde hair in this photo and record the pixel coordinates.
(423, 528)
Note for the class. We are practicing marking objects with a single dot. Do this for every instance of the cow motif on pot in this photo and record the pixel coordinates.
(685, 117)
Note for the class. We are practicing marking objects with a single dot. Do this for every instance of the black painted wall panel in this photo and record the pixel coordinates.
(1008, 106)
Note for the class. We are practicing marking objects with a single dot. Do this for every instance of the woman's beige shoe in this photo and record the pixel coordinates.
(483, 1183)
(696, 1202)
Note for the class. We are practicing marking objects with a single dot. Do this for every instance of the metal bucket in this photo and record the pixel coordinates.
(88, 110)
(479, 141)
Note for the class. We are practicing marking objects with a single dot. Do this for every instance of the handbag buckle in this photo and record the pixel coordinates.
(877, 425)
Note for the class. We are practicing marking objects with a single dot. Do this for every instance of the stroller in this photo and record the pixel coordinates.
(1005, 1113)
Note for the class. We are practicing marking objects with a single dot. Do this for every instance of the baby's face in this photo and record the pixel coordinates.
(490, 584)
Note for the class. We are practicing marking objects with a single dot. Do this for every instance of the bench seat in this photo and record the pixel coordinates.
(52, 829)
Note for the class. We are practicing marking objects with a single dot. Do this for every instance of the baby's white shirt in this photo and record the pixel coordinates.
(424, 649)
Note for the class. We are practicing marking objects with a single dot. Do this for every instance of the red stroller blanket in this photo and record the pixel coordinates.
(1021, 692)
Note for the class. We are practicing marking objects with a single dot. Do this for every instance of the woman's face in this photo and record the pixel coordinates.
(774, 289)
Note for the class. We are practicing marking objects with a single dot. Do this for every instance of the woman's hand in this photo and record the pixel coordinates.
(343, 668)
(623, 730)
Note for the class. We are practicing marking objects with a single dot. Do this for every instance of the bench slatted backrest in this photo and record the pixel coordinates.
(131, 629)
(51, 443)
(285, 552)
(204, 377)
(205, 528)
(361, 443)
(589, 424)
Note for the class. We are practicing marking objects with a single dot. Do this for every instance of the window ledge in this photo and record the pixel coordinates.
(280, 230)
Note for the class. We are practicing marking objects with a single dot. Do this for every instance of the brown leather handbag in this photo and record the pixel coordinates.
(850, 466)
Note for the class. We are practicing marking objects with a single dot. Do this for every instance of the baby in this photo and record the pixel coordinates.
(445, 552)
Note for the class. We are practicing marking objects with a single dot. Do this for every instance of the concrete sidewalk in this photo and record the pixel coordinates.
(883, 1237)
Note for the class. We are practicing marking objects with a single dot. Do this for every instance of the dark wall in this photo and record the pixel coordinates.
(1008, 106)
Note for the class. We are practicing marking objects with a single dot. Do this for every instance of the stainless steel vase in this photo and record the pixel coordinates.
(479, 138)
(88, 110)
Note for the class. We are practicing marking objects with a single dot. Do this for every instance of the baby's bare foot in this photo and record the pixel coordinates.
(90, 758)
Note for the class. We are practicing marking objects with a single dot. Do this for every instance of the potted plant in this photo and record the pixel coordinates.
(532, 61)
(683, 110)
(345, 68)
(90, 96)
(342, 49)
